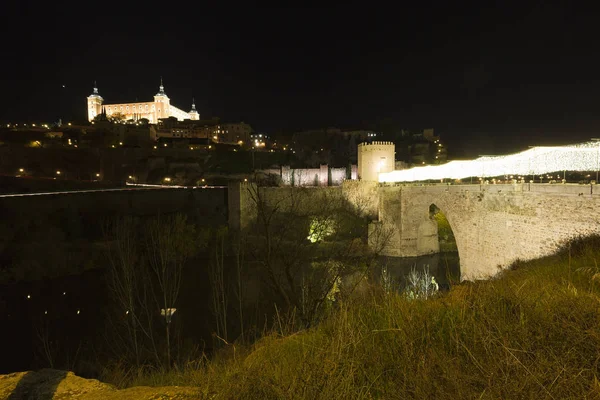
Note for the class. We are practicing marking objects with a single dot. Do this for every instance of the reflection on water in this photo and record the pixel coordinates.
(445, 267)
(72, 309)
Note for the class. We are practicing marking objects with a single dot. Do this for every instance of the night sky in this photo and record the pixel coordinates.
(488, 79)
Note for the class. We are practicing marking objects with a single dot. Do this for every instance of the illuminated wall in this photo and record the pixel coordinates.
(375, 158)
(94, 103)
(179, 114)
(534, 161)
(322, 176)
(133, 110)
(152, 110)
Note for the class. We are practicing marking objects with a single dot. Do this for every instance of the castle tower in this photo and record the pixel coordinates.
(161, 103)
(374, 158)
(194, 115)
(94, 103)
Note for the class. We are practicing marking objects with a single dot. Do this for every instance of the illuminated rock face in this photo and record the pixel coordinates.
(494, 225)
(375, 158)
(151, 110)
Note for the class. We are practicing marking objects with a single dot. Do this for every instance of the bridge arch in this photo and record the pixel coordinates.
(446, 239)
(493, 225)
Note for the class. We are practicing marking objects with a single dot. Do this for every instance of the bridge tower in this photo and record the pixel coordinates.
(374, 158)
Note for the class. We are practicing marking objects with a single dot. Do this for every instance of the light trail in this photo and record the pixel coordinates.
(534, 161)
(137, 187)
(175, 186)
(67, 192)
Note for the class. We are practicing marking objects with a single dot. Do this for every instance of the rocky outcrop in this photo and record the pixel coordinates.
(53, 384)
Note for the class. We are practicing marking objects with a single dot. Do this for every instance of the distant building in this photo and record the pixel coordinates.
(152, 110)
(235, 133)
(330, 137)
(202, 129)
(427, 148)
(107, 134)
(260, 140)
(360, 135)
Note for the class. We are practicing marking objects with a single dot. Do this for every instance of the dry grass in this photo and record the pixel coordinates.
(532, 333)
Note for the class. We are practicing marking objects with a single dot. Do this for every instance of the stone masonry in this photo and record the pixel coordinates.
(494, 225)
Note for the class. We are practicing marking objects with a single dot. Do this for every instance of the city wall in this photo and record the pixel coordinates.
(322, 176)
(362, 196)
(244, 199)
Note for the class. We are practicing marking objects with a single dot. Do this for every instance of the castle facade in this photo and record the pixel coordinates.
(151, 110)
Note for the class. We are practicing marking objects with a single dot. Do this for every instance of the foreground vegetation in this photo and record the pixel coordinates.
(534, 332)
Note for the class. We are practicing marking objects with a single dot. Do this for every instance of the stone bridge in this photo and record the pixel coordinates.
(494, 225)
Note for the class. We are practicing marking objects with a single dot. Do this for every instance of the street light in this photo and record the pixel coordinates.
(57, 172)
(168, 314)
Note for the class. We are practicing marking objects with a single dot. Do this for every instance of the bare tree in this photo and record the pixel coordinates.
(304, 245)
(239, 251)
(220, 295)
(170, 242)
(124, 279)
(47, 347)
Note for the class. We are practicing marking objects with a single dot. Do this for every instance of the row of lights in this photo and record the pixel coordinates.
(165, 145)
(168, 179)
(58, 172)
(32, 125)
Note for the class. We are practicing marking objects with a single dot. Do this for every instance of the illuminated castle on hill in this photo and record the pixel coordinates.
(151, 110)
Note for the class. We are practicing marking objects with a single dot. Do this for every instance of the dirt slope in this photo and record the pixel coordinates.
(49, 384)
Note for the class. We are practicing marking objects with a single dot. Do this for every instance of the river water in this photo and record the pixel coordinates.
(444, 267)
(71, 310)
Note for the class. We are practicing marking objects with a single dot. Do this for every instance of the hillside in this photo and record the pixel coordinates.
(533, 332)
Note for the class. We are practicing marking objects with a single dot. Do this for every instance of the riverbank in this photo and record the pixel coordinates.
(533, 331)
